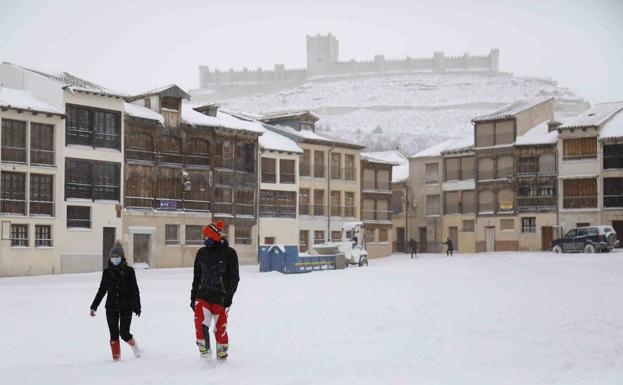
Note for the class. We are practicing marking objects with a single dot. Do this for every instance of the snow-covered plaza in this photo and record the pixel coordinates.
(504, 318)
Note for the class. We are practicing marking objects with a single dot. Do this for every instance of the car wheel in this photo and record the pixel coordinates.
(588, 248)
(557, 249)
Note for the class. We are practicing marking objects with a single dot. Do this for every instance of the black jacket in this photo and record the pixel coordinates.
(120, 284)
(449, 243)
(216, 274)
(412, 244)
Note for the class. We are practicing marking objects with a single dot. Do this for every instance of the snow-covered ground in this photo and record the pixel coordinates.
(506, 318)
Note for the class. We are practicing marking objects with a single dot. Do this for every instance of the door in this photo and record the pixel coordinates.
(547, 236)
(141, 248)
(568, 242)
(618, 228)
(400, 239)
(108, 241)
(423, 244)
(580, 239)
(489, 239)
(453, 233)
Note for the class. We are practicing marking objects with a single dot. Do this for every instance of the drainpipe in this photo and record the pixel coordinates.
(406, 215)
(257, 200)
(329, 192)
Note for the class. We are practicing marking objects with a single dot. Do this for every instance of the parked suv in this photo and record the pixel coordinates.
(586, 239)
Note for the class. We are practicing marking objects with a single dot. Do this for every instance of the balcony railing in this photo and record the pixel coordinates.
(42, 157)
(336, 211)
(197, 160)
(377, 185)
(375, 215)
(245, 209)
(269, 177)
(246, 179)
(220, 162)
(141, 155)
(536, 203)
(78, 190)
(170, 158)
(318, 210)
(336, 173)
(13, 155)
(106, 140)
(81, 137)
(580, 202)
(139, 202)
(42, 208)
(106, 192)
(13, 206)
(223, 208)
(285, 177)
(459, 208)
(278, 211)
(195, 205)
(613, 201)
(349, 211)
(305, 209)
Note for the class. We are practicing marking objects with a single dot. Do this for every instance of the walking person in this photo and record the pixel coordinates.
(215, 281)
(413, 247)
(119, 282)
(450, 249)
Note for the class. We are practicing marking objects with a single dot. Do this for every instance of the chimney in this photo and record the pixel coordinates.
(553, 125)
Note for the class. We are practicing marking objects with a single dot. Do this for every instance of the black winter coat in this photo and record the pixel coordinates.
(216, 274)
(120, 284)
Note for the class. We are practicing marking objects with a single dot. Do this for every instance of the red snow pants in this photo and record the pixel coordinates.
(204, 312)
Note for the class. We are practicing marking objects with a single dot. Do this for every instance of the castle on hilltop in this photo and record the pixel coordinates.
(322, 61)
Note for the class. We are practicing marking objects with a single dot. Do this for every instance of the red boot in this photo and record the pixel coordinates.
(116, 350)
(135, 349)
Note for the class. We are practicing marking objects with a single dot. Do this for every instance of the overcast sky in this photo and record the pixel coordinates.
(135, 45)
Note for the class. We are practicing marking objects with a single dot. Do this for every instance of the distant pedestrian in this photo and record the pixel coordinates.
(119, 281)
(413, 247)
(450, 249)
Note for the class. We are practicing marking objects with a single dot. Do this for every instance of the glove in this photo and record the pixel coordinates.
(92, 313)
(138, 312)
(192, 304)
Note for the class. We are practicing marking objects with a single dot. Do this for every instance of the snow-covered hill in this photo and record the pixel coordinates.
(410, 111)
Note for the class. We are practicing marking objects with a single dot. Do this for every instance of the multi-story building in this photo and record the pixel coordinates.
(589, 154)
(495, 134)
(376, 194)
(329, 184)
(186, 167)
(402, 204)
(88, 160)
(31, 187)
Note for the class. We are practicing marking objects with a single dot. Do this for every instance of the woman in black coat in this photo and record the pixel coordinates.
(119, 281)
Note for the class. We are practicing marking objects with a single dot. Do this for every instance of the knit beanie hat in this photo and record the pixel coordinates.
(117, 249)
(214, 230)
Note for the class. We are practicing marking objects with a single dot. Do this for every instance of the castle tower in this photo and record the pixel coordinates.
(322, 52)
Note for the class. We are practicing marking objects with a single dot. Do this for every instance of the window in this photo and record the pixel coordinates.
(528, 225)
(369, 181)
(507, 224)
(277, 204)
(304, 164)
(318, 237)
(349, 204)
(467, 167)
(269, 240)
(171, 235)
(547, 163)
(19, 235)
(613, 192)
(349, 167)
(13, 141)
(505, 167)
(336, 203)
(319, 202)
(286, 171)
(93, 127)
(147, 101)
(451, 202)
(432, 205)
(41, 144)
(504, 132)
(336, 165)
(382, 180)
(304, 202)
(13, 193)
(613, 156)
(582, 224)
(336, 235)
(245, 157)
(467, 202)
(79, 217)
(396, 202)
(506, 200)
(370, 235)
(486, 201)
(527, 164)
(431, 173)
(43, 236)
(319, 164)
(484, 135)
(580, 148)
(269, 173)
(579, 193)
(383, 237)
(452, 168)
(194, 236)
(303, 240)
(486, 169)
(41, 195)
(243, 234)
(93, 180)
(368, 212)
(468, 226)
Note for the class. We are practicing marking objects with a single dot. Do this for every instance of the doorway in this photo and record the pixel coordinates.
(618, 227)
(453, 233)
(400, 239)
(141, 248)
(423, 244)
(108, 241)
(547, 236)
(490, 239)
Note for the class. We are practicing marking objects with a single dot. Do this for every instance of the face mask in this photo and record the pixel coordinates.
(208, 242)
(115, 260)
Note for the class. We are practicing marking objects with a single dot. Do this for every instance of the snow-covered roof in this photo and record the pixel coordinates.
(400, 169)
(280, 115)
(537, 135)
(460, 145)
(382, 157)
(613, 128)
(169, 90)
(400, 172)
(224, 120)
(447, 146)
(308, 135)
(271, 140)
(510, 110)
(594, 117)
(137, 111)
(72, 82)
(24, 100)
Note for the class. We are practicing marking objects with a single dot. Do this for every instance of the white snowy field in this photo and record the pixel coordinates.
(506, 318)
